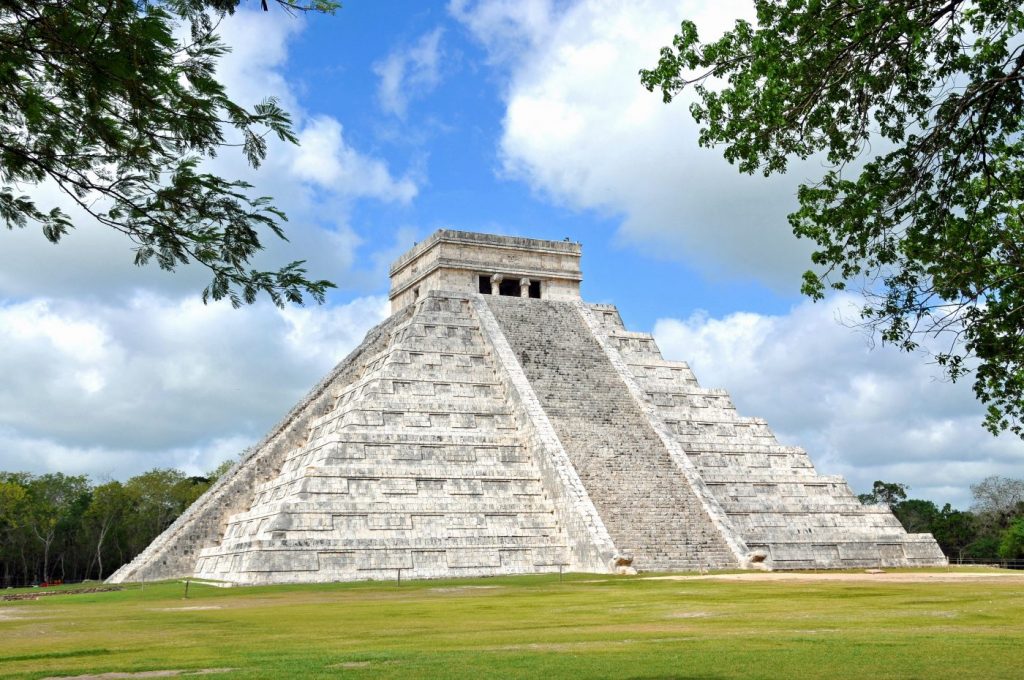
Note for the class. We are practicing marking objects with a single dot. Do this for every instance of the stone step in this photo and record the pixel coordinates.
(388, 543)
(342, 504)
(644, 499)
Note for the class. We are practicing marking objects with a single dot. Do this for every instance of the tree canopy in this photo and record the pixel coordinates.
(917, 106)
(56, 526)
(113, 105)
(888, 494)
(998, 498)
(994, 527)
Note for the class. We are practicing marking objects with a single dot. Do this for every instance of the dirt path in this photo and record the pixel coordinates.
(860, 577)
(36, 594)
(141, 674)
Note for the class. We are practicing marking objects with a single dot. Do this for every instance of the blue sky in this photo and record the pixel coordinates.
(523, 118)
(447, 131)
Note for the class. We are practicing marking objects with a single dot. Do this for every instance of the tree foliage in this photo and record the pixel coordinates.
(106, 101)
(1011, 547)
(57, 526)
(918, 107)
(917, 515)
(54, 511)
(885, 493)
(107, 511)
(221, 470)
(955, 531)
(998, 501)
(998, 496)
(991, 529)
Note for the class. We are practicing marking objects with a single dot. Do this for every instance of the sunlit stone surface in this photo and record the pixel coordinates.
(497, 424)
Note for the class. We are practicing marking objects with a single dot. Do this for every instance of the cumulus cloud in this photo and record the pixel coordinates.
(866, 413)
(325, 335)
(581, 129)
(507, 28)
(408, 73)
(41, 455)
(117, 389)
(324, 158)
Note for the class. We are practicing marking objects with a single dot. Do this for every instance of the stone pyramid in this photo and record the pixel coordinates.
(497, 424)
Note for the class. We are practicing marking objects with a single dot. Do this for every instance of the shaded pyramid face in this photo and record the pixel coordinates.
(774, 499)
(480, 434)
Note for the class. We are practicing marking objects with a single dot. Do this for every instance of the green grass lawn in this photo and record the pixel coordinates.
(584, 627)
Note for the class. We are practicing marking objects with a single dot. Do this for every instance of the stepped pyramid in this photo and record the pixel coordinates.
(497, 424)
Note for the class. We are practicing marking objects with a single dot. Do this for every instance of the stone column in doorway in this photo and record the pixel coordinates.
(496, 280)
(524, 287)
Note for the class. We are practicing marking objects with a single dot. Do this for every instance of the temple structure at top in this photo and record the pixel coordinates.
(496, 423)
(484, 263)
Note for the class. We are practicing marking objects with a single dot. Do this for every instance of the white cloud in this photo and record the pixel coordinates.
(111, 389)
(864, 413)
(324, 158)
(507, 28)
(259, 49)
(581, 129)
(409, 73)
(328, 334)
(41, 455)
(33, 323)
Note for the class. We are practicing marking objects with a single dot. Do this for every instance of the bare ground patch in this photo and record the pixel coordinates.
(582, 645)
(142, 674)
(856, 577)
(355, 665)
(687, 615)
(459, 589)
(36, 594)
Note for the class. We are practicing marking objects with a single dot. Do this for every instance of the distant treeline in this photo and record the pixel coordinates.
(992, 528)
(64, 527)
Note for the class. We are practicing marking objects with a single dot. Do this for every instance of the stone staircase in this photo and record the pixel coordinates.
(772, 494)
(418, 465)
(644, 499)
